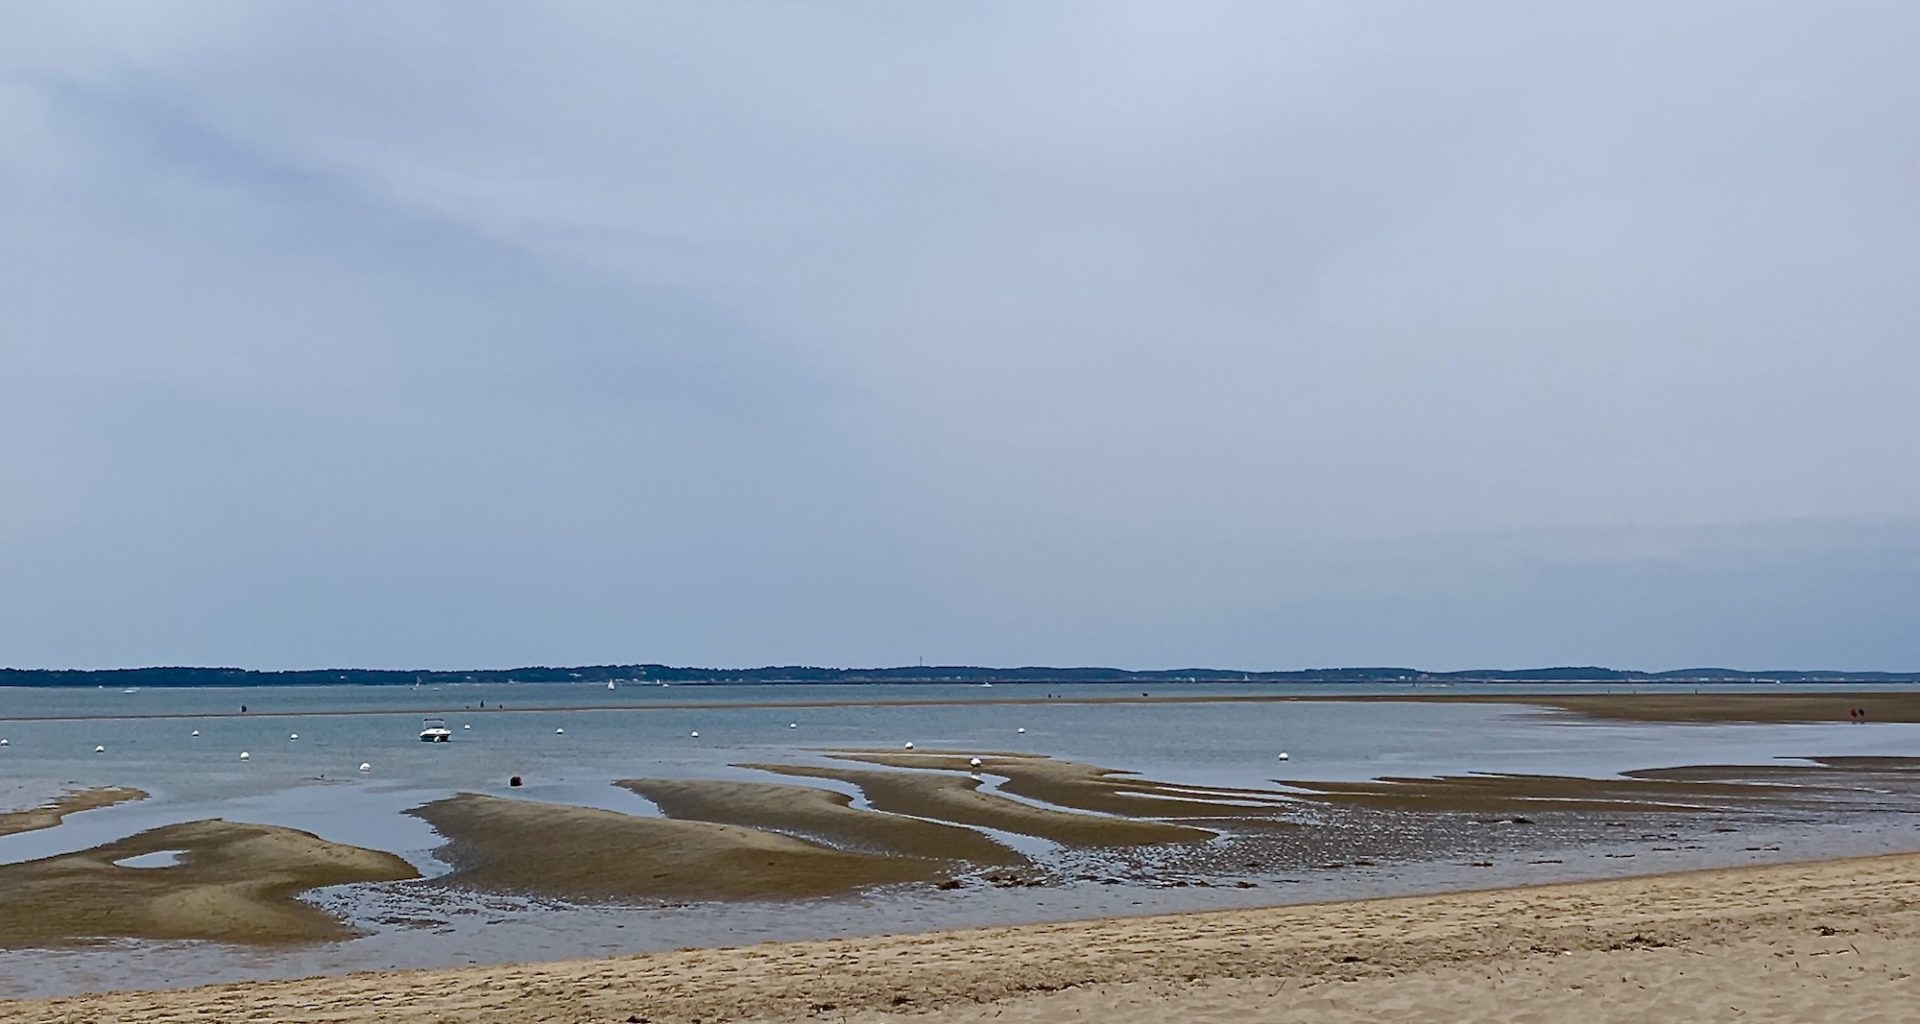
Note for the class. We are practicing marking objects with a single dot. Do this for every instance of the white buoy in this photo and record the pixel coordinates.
(3, 743)
(975, 763)
(696, 734)
(99, 750)
(466, 727)
(909, 745)
(196, 732)
(245, 756)
(365, 767)
(559, 732)
(1022, 730)
(1283, 755)
(295, 736)
(793, 725)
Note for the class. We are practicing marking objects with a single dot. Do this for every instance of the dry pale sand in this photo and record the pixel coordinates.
(1830, 942)
(50, 813)
(232, 883)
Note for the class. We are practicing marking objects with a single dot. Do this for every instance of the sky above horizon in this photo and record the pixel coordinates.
(1233, 334)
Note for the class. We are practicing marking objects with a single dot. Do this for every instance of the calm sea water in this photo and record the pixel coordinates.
(312, 783)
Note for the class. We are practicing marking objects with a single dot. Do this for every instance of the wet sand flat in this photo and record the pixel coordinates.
(1519, 794)
(1896, 706)
(49, 814)
(818, 813)
(957, 798)
(1088, 787)
(503, 845)
(231, 883)
(1820, 943)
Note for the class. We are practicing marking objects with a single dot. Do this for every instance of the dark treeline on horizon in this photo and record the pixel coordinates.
(805, 674)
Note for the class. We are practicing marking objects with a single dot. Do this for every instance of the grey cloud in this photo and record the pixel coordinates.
(1158, 334)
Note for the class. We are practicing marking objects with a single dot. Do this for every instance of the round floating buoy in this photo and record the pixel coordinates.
(3, 743)
(975, 763)
(244, 756)
(696, 734)
(295, 736)
(99, 750)
(365, 767)
(466, 727)
(559, 732)
(909, 745)
(1283, 755)
(1022, 730)
(196, 732)
(793, 725)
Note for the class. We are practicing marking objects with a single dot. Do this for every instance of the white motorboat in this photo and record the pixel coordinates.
(434, 730)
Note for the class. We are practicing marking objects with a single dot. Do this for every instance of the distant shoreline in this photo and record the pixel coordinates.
(1791, 706)
(790, 675)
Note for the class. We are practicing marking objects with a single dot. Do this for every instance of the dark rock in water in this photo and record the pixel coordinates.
(515, 781)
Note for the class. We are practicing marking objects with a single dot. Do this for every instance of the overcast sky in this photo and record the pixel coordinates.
(1263, 335)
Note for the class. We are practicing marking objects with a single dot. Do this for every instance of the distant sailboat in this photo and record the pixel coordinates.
(609, 684)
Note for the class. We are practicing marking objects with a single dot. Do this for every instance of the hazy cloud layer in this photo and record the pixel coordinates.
(1263, 335)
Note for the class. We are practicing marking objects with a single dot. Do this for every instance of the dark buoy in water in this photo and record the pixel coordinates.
(514, 782)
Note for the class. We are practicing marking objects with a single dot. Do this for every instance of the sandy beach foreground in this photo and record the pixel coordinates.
(1831, 941)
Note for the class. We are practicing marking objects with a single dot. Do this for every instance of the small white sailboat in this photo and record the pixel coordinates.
(609, 684)
(434, 730)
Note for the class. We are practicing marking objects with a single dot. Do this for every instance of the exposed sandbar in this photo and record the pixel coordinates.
(1898, 706)
(50, 813)
(1522, 794)
(585, 853)
(1090, 787)
(822, 814)
(232, 883)
(957, 798)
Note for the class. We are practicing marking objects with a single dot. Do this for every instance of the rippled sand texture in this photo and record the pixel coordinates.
(1817, 943)
(232, 882)
(1864, 783)
(1089, 787)
(820, 814)
(957, 798)
(49, 814)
